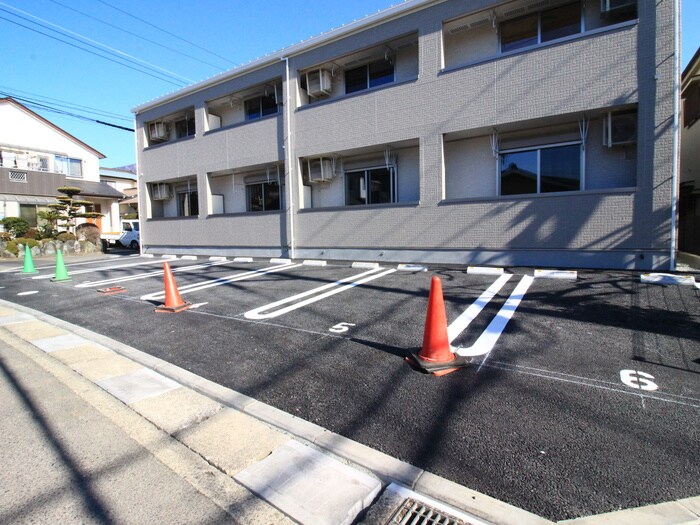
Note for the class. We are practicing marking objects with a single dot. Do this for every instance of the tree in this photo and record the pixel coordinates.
(69, 208)
(17, 226)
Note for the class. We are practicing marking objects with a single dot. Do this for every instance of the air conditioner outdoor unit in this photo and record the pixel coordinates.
(620, 129)
(158, 131)
(320, 170)
(607, 6)
(318, 82)
(161, 192)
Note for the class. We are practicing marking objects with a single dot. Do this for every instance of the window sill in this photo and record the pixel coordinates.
(330, 100)
(240, 124)
(529, 49)
(178, 218)
(169, 143)
(361, 207)
(528, 196)
(243, 214)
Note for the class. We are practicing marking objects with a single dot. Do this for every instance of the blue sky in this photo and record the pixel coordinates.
(200, 40)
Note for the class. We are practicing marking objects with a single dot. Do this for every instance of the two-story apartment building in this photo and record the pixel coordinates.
(524, 132)
(37, 157)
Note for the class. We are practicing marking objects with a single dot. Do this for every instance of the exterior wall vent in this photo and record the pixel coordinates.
(18, 176)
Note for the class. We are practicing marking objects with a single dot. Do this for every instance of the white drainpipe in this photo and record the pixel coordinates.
(289, 161)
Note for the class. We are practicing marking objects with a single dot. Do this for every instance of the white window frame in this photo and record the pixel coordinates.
(393, 184)
(264, 189)
(582, 166)
(366, 67)
(18, 176)
(67, 162)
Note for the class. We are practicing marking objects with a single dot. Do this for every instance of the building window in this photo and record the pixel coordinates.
(261, 106)
(371, 186)
(540, 27)
(368, 76)
(545, 169)
(187, 203)
(68, 166)
(185, 127)
(28, 213)
(264, 196)
(18, 176)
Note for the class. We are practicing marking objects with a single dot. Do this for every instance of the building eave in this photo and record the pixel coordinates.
(380, 17)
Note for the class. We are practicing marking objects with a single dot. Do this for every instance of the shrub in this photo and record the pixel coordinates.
(13, 246)
(65, 236)
(17, 226)
(25, 240)
(46, 232)
(5, 236)
(32, 233)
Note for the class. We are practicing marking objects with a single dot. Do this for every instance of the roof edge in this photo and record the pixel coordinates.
(694, 64)
(390, 13)
(52, 125)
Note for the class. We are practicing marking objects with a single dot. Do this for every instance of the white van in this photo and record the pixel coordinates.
(128, 237)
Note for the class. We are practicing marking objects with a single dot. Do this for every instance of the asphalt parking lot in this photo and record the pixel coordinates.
(583, 395)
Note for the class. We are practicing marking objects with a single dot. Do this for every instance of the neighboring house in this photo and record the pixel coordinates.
(37, 157)
(442, 131)
(124, 181)
(689, 207)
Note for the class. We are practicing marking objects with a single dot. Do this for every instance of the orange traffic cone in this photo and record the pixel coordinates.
(436, 356)
(173, 301)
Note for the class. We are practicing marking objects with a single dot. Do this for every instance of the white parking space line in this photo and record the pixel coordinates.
(148, 274)
(68, 264)
(102, 268)
(222, 280)
(342, 285)
(666, 278)
(460, 324)
(487, 340)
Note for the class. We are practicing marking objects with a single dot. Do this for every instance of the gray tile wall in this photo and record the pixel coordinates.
(627, 65)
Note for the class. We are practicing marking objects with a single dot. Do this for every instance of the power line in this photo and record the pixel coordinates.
(138, 36)
(69, 114)
(92, 52)
(86, 40)
(19, 94)
(167, 32)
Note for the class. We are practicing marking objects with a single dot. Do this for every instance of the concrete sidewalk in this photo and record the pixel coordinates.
(94, 431)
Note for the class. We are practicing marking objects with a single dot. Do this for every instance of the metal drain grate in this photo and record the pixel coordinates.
(413, 512)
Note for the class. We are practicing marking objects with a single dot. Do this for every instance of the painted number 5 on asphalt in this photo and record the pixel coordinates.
(639, 380)
(341, 328)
